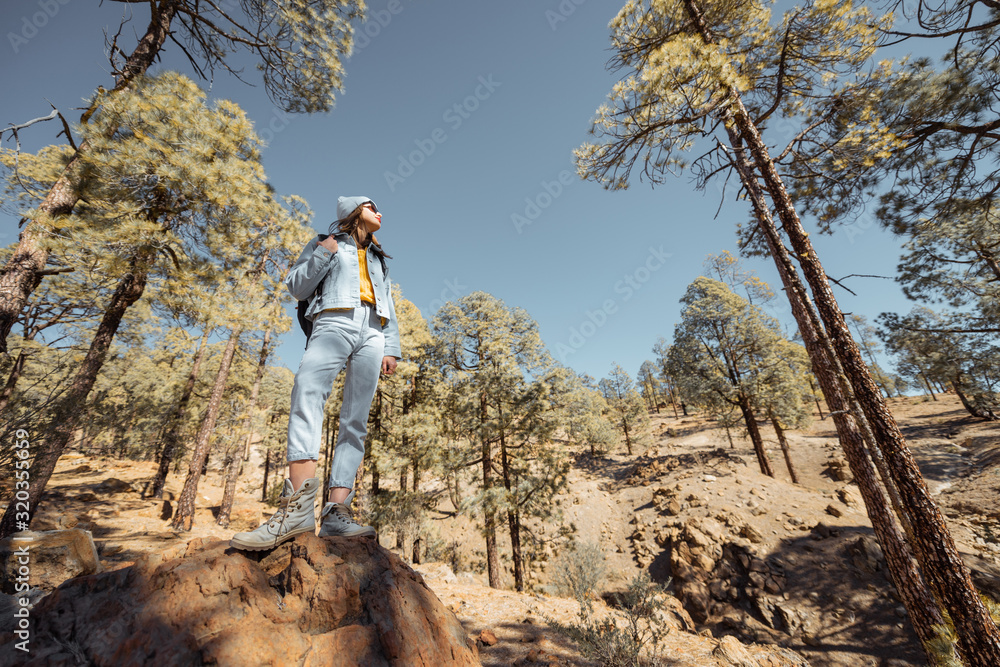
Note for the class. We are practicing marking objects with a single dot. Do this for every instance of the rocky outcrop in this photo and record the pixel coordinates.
(311, 601)
(713, 569)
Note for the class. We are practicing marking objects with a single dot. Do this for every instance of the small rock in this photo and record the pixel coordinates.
(56, 556)
(839, 470)
(487, 638)
(847, 497)
(823, 531)
(866, 554)
(834, 511)
(113, 485)
(731, 652)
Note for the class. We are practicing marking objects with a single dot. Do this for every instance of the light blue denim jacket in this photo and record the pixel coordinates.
(342, 288)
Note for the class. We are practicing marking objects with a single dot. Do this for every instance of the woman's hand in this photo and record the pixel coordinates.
(388, 365)
(329, 243)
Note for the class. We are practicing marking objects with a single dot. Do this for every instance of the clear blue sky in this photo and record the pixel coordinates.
(526, 89)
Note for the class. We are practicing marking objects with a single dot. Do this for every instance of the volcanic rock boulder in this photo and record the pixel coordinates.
(311, 601)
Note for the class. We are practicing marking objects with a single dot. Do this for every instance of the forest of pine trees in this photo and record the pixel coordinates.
(142, 302)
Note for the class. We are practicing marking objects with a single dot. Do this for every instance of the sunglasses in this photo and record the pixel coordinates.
(371, 205)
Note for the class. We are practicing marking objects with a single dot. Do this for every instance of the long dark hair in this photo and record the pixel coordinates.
(350, 224)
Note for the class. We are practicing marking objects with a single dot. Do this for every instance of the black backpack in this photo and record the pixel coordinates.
(300, 311)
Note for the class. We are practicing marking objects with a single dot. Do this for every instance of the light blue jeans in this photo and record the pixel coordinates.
(353, 337)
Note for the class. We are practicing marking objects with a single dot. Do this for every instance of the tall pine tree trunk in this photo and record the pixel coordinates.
(941, 563)
(783, 441)
(233, 467)
(755, 437)
(21, 275)
(267, 472)
(628, 439)
(176, 421)
(400, 529)
(812, 388)
(912, 589)
(978, 635)
(184, 516)
(69, 410)
(927, 384)
(513, 519)
(489, 514)
(417, 539)
(15, 375)
(236, 464)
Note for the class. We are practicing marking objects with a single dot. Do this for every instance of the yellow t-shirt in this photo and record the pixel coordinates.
(367, 289)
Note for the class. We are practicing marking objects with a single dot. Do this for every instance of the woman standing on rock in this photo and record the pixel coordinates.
(343, 277)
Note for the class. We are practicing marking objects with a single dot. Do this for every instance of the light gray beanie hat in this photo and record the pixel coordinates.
(346, 206)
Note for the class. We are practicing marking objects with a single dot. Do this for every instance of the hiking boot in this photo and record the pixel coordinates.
(296, 515)
(338, 522)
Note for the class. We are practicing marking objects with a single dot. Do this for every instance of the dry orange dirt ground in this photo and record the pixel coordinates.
(851, 616)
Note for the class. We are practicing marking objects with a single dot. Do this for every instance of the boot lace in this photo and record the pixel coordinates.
(280, 515)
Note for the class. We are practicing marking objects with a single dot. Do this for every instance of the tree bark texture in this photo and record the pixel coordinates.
(941, 563)
(236, 464)
(20, 277)
(921, 607)
(513, 521)
(184, 516)
(758, 442)
(783, 442)
(489, 515)
(15, 375)
(69, 410)
(171, 439)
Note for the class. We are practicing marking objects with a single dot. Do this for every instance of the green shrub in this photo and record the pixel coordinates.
(633, 643)
(578, 569)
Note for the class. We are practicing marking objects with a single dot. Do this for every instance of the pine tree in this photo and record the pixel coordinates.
(176, 420)
(966, 361)
(176, 188)
(723, 356)
(589, 418)
(700, 64)
(409, 441)
(626, 406)
(662, 350)
(508, 396)
(649, 386)
(299, 45)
